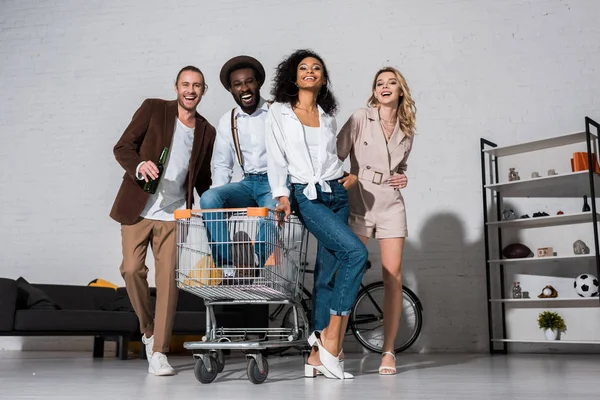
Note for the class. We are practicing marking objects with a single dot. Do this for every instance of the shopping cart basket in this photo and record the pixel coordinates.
(265, 266)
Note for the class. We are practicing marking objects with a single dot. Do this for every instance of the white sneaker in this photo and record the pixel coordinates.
(149, 342)
(159, 365)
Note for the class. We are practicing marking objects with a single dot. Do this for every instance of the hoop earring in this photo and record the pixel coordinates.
(295, 94)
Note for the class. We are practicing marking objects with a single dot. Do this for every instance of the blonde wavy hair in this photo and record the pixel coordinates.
(406, 109)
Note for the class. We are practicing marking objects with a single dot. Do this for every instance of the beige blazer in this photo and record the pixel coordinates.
(373, 203)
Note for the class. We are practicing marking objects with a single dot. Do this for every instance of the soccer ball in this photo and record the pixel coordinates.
(586, 285)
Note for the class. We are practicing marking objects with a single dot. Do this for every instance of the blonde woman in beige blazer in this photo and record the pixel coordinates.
(378, 140)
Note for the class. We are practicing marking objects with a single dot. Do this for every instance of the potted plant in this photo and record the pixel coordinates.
(552, 323)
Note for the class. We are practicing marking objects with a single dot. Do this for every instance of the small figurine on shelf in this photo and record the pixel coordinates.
(559, 213)
(513, 175)
(551, 172)
(545, 252)
(508, 215)
(535, 174)
(516, 291)
(586, 206)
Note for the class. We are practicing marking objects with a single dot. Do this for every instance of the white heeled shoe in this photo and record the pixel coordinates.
(347, 375)
(381, 369)
(328, 361)
(312, 371)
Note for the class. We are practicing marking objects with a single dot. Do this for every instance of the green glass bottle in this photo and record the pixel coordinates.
(151, 185)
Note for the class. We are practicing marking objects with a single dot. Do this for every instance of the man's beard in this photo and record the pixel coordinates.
(248, 109)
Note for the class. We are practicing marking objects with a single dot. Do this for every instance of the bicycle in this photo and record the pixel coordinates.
(366, 317)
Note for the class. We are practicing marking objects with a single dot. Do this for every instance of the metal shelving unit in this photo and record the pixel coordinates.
(568, 185)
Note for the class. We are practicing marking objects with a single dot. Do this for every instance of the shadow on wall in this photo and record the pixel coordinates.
(448, 275)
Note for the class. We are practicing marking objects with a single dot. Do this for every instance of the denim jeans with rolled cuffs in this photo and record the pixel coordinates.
(252, 191)
(341, 256)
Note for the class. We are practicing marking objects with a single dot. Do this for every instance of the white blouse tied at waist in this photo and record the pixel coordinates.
(287, 152)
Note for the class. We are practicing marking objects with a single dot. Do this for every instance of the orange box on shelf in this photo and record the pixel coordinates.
(579, 162)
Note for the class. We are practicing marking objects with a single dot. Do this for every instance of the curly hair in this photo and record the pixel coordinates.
(406, 109)
(284, 89)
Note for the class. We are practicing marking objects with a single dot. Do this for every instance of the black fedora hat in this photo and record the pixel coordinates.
(242, 62)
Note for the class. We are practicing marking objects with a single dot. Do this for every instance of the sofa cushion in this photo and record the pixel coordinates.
(187, 301)
(78, 297)
(120, 303)
(8, 303)
(75, 321)
(194, 322)
(228, 316)
(30, 297)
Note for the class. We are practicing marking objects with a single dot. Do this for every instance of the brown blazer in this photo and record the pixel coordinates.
(151, 129)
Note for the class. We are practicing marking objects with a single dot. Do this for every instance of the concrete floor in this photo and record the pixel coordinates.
(49, 375)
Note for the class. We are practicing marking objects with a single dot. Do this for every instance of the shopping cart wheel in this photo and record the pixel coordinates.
(220, 357)
(254, 374)
(202, 373)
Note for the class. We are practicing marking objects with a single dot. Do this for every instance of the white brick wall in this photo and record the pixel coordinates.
(72, 74)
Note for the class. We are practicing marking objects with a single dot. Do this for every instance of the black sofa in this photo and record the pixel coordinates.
(104, 313)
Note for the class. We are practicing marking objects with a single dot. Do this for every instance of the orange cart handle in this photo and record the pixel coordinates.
(250, 212)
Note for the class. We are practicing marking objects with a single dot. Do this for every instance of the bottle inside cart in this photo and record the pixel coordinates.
(516, 291)
(152, 185)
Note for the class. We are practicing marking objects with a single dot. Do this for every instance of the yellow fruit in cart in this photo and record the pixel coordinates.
(204, 273)
(273, 259)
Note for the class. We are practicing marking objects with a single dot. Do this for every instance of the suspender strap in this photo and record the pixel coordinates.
(236, 139)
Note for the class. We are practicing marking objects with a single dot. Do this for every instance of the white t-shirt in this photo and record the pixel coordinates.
(311, 135)
(171, 192)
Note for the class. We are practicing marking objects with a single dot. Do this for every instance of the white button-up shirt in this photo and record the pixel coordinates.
(251, 134)
(287, 152)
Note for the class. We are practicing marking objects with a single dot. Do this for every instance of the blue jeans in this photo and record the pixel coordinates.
(341, 256)
(252, 191)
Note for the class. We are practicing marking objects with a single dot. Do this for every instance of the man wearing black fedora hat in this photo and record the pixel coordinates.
(240, 138)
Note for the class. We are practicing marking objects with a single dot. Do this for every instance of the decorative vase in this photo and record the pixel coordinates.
(551, 334)
(586, 206)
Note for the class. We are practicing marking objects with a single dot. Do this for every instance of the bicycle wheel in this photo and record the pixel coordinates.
(366, 319)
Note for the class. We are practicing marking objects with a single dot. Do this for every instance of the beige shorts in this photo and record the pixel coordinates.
(379, 213)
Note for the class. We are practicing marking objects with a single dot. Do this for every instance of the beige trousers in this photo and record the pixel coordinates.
(161, 237)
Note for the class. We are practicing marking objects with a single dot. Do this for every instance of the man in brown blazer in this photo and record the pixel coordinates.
(148, 218)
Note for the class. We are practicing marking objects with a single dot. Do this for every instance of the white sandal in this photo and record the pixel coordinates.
(381, 369)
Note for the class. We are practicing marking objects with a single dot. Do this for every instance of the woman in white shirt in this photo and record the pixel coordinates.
(301, 145)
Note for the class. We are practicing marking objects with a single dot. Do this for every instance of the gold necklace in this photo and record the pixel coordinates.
(386, 132)
(304, 109)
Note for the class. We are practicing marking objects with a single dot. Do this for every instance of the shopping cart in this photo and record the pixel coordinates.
(269, 259)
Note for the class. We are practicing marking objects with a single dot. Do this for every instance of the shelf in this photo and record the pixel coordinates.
(564, 140)
(542, 259)
(564, 185)
(534, 300)
(572, 184)
(547, 341)
(552, 220)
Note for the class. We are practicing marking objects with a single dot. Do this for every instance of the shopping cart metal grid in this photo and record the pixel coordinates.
(241, 256)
